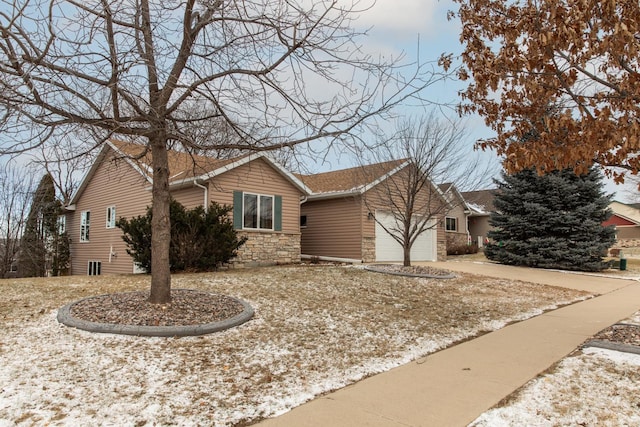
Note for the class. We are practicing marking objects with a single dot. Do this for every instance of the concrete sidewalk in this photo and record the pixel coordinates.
(456, 385)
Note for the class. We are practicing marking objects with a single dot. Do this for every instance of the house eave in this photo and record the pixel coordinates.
(334, 195)
(186, 182)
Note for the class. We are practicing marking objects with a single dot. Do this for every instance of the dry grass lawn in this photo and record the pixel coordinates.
(316, 328)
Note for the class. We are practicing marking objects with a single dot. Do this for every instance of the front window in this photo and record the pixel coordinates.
(85, 219)
(451, 224)
(62, 224)
(257, 212)
(111, 217)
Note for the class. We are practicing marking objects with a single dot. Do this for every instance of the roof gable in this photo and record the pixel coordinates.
(480, 200)
(629, 212)
(356, 180)
(184, 168)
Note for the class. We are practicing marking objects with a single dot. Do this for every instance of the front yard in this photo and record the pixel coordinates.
(316, 328)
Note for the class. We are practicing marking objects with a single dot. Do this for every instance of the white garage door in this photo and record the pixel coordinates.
(387, 249)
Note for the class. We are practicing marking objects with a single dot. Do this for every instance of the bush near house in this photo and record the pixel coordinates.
(200, 240)
(464, 249)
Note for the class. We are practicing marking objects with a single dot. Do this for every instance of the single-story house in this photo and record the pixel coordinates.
(480, 204)
(456, 218)
(626, 219)
(265, 196)
(345, 215)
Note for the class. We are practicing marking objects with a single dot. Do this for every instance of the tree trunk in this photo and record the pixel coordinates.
(407, 256)
(160, 224)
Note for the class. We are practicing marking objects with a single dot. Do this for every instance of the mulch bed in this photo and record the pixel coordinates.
(187, 307)
(621, 333)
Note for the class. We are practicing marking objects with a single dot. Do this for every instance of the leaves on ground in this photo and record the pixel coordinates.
(316, 328)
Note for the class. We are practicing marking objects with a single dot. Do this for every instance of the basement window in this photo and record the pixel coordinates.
(95, 268)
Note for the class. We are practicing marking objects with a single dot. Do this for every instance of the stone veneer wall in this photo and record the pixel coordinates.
(268, 249)
(442, 250)
(368, 249)
(456, 239)
(627, 243)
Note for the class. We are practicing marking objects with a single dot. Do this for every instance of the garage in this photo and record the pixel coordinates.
(388, 250)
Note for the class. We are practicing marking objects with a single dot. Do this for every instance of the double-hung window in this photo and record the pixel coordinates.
(111, 217)
(85, 220)
(257, 211)
(252, 211)
(62, 224)
(451, 224)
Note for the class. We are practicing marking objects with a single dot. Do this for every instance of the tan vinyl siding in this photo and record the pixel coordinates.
(120, 185)
(189, 197)
(458, 213)
(113, 184)
(333, 228)
(479, 227)
(627, 232)
(258, 177)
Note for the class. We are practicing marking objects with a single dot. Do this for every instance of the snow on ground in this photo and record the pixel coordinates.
(316, 329)
(594, 387)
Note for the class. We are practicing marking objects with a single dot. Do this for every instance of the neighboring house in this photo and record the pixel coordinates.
(340, 219)
(480, 204)
(265, 197)
(626, 219)
(455, 221)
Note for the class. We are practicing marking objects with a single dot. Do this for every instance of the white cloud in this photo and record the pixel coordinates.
(405, 18)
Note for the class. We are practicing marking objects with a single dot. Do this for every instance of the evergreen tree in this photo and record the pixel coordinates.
(200, 240)
(41, 226)
(61, 256)
(551, 221)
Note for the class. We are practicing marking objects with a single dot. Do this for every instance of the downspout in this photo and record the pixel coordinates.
(466, 223)
(206, 194)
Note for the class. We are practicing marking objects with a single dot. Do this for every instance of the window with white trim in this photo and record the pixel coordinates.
(62, 224)
(451, 224)
(257, 211)
(94, 268)
(111, 217)
(85, 220)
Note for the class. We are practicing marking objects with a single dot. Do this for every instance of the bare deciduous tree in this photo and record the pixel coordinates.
(16, 192)
(65, 163)
(436, 151)
(274, 73)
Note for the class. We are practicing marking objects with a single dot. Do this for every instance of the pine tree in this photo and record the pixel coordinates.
(34, 258)
(551, 221)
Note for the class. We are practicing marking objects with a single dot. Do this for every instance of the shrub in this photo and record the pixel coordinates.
(462, 249)
(200, 241)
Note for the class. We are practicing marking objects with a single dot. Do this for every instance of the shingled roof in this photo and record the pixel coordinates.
(481, 200)
(356, 179)
(182, 165)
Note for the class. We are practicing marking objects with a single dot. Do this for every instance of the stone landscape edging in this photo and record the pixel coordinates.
(64, 317)
(399, 273)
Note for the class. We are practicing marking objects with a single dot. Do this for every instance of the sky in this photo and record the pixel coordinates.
(419, 29)
(403, 25)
